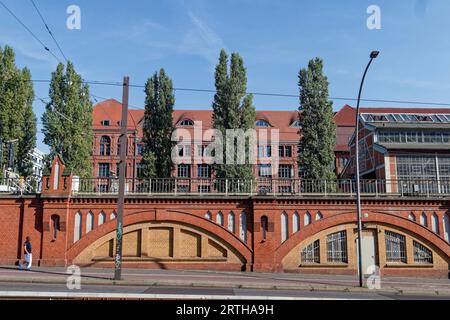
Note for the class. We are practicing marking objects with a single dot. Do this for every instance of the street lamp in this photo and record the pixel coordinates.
(373, 55)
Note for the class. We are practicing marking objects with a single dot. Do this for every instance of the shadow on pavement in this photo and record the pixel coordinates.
(56, 273)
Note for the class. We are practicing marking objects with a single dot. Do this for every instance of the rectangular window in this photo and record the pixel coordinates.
(204, 171)
(140, 167)
(337, 247)
(264, 151)
(184, 171)
(265, 170)
(311, 253)
(103, 170)
(285, 151)
(184, 151)
(395, 247)
(140, 149)
(285, 171)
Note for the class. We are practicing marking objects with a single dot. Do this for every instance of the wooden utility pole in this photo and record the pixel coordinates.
(122, 179)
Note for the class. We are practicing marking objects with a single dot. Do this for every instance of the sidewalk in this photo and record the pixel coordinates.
(263, 281)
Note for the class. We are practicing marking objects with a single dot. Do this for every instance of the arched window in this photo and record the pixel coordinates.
(296, 124)
(55, 225)
(412, 217)
(447, 227)
(105, 146)
(243, 226)
(208, 215)
(186, 123)
(89, 222)
(295, 222)
(101, 218)
(262, 123)
(112, 216)
(435, 223)
(264, 226)
(219, 218)
(231, 224)
(284, 227)
(424, 220)
(319, 216)
(77, 227)
(306, 218)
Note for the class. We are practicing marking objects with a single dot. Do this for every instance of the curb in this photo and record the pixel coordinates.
(176, 283)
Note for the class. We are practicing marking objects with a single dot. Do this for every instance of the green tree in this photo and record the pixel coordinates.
(67, 120)
(158, 126)
(232, 109)
(27, 142)
(318, 131)
(17, 119)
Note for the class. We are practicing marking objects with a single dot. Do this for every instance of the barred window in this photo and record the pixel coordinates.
(337, 247)
(395, 247)
(422, 254)
(311, 253)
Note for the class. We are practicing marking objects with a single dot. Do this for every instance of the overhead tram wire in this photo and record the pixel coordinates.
(29, 31)
(48, 29)
(272, 94)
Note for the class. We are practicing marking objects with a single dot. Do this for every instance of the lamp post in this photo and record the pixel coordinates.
(373, 55)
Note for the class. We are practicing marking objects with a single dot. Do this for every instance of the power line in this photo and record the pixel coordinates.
(48, 29)
(29, 31)
(272, 94)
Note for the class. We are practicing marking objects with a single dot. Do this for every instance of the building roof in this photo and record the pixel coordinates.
(111, 109)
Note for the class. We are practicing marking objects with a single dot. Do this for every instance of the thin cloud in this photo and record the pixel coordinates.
(202, 40)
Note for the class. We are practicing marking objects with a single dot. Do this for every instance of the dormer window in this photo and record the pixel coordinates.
(186, 123)
(262, 123)
(105, 123)
(296, 124)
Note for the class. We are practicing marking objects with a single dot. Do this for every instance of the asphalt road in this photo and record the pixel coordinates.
(175, 284)
(40, 290)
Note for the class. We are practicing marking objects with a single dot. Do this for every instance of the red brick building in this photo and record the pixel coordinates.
(106, 127)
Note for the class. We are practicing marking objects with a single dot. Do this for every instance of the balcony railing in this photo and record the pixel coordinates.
(266, 186)
(21, 186)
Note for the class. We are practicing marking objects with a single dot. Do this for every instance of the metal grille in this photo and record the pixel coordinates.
(422, 254)
(311, 253)
(395, 247)
(337, 247)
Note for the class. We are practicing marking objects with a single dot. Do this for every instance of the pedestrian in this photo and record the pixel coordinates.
(28, 256)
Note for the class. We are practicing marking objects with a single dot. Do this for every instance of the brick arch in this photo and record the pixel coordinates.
(165, 216)
(345, 218)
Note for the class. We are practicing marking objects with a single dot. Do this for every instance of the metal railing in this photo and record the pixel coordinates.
(264, 186)
(21, 186)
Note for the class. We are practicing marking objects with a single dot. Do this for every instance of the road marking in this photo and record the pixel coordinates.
(93, 295)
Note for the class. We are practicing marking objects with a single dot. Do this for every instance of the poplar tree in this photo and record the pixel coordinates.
(67, 120)
(232, 109)
(17, 119)
(318, 131)
(158, 126)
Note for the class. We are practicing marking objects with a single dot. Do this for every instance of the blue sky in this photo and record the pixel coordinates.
(276, 38)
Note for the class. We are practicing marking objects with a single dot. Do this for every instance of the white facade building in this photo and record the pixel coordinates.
(37, 158)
